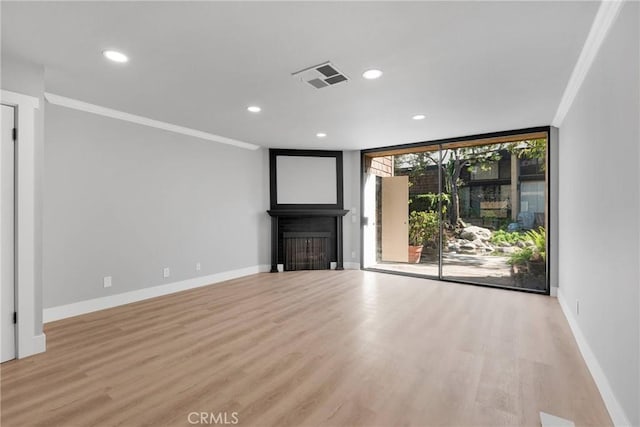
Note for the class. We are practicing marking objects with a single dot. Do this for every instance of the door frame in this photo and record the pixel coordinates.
(551, 200)
(8, 225)
(28, 341)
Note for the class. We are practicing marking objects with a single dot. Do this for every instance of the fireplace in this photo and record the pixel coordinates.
(306, 251)
(306, 239)
(307, 209)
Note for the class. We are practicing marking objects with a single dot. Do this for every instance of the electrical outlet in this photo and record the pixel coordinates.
(166, 272)
(577, 308)
(198, 267)
(353, 255)
(107, 282)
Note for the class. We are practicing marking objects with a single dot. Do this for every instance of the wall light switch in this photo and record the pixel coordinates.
(166, 272)
(198, 267)
(107, 282)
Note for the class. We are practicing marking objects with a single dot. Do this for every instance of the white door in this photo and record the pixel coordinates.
(7, 286)
(395, 214)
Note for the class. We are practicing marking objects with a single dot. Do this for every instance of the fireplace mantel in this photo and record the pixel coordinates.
(307, 212)
(305, 216)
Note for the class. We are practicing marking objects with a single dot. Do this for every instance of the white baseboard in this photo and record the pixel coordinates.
(351, 265)
(34, 345)
(616, 412)
(110, 301)
(548, 420)
(39, 343)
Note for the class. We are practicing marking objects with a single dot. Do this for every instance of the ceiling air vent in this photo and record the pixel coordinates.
(321, 76)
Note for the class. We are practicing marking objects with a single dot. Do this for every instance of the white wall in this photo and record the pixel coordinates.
(351, 238)
(306, 180)
(28, 79)
(124, 200)
(600, 210)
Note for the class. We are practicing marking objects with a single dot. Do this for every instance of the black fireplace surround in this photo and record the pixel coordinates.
(307, 222)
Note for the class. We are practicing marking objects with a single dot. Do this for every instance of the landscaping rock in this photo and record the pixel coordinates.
(468, 246)
(474, 233)
(479, 244)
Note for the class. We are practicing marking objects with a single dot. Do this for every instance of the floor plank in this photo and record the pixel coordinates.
(325, 348)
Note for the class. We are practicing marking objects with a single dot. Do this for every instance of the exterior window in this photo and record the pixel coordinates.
(488, 171)
(531, 167)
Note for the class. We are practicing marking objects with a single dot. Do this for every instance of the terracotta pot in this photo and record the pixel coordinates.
(414, 254)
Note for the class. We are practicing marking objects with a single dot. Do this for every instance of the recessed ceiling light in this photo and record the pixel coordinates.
(115, 56)
(321, 134)
(419, 117)
(254, 109)
(372, 74)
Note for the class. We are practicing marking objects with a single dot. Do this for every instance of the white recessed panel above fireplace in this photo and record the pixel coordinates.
(306, 180)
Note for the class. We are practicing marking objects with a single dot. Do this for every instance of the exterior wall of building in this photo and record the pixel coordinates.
(380, 166)
(424, 183)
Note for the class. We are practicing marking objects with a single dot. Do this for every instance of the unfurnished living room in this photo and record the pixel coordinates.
(310, 213)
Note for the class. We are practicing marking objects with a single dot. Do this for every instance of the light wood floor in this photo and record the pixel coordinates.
(310, 348)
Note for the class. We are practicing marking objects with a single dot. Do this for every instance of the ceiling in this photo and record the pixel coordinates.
(470, 67)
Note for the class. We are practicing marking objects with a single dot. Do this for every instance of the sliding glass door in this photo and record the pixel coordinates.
(402, 211)
(469, 211)
(496, 225)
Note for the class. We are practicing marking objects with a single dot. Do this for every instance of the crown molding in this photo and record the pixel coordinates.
(606, 16)
(145, 121)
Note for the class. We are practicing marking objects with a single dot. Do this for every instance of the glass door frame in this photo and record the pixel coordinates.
(494, 137)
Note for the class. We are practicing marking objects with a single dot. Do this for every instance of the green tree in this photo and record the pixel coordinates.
(453, 163)
(529, 149)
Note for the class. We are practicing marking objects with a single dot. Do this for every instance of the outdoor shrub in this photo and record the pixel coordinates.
(535, 253)
(423, 226)
(429, 202)
(510, 237)
(539, 239)
(521, 257)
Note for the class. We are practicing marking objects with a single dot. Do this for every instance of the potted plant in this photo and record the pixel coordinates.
(422, 226)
